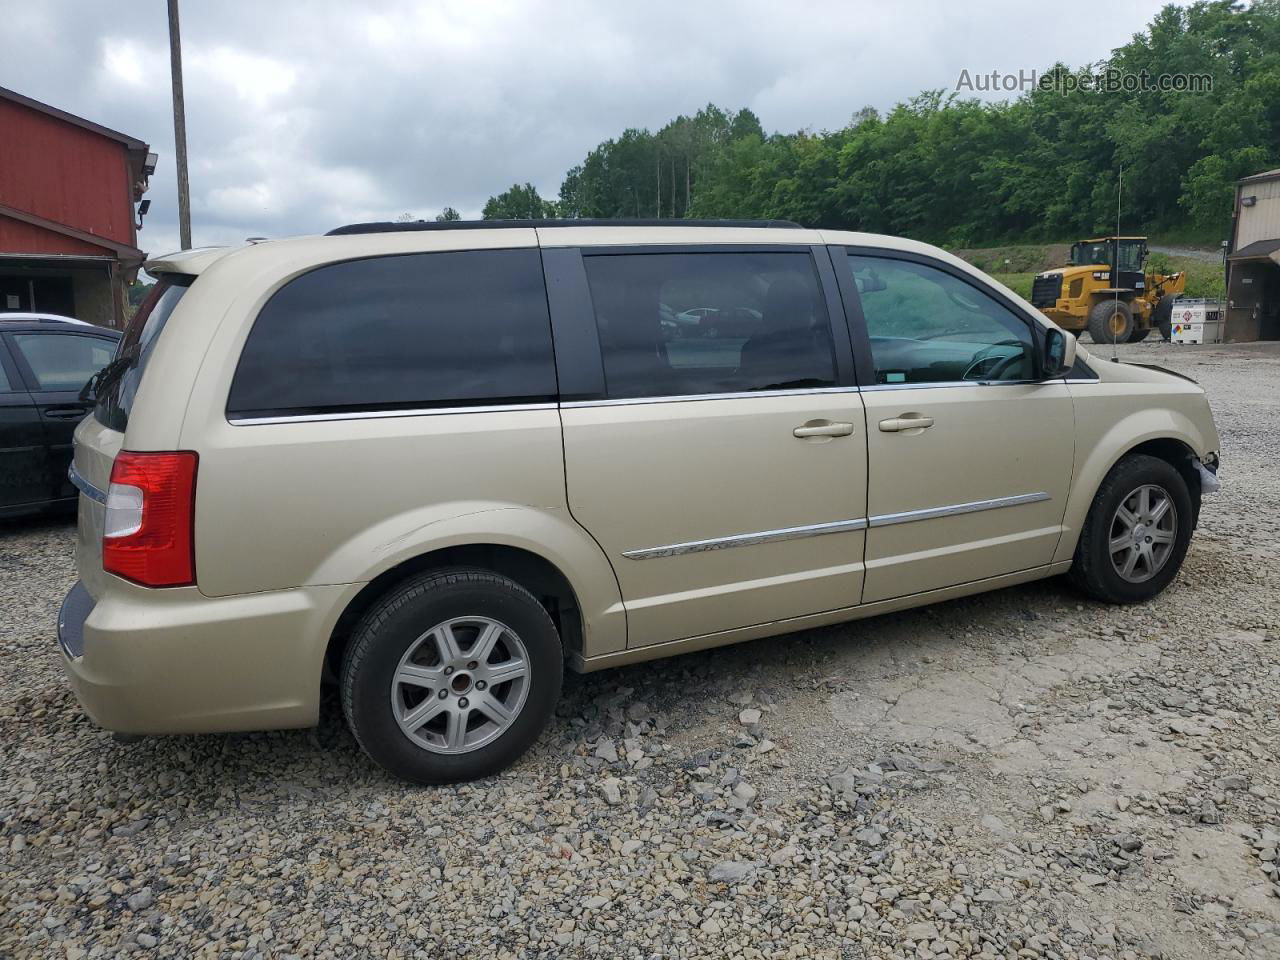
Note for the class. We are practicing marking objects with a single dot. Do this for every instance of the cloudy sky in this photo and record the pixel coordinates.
(304, 114)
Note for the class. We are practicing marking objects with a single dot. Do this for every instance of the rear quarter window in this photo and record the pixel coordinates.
(400, 332)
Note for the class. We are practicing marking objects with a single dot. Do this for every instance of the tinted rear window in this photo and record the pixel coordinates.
(676, 324)
(401, 332)
(118, 384)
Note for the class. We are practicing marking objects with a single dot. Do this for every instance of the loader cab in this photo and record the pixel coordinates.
(1127, 255)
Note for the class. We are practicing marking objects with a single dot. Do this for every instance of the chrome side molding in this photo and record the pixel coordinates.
(955, 509)
(746, 539)
(837, 526)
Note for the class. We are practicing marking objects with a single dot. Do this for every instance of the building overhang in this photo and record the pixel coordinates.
(1259, 250)
(126, 254)
(56, 261)
(1259, 177)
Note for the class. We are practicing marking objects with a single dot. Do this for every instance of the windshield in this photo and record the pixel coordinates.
(1088, 254)
(1131, 255)
(1099, 254)
(118, 383)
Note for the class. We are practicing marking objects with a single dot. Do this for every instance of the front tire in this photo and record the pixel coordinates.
(1139, 334)
(1110, 321)
(452, 676)
(1136, 533)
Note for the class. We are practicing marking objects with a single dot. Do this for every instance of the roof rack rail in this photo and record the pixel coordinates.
(414, 225)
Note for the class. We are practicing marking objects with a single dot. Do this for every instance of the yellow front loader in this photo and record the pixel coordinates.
(1081, 296)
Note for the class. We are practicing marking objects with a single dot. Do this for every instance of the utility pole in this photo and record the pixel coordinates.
(179, 127)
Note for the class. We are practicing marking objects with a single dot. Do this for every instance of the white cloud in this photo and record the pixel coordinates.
(254, 80)
(123, 62)
(303, 114)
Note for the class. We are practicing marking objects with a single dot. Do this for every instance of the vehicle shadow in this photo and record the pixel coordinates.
(49, 519)
(674, 695)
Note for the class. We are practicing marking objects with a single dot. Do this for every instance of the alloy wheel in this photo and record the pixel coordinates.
(1143, 532)
(460, 685)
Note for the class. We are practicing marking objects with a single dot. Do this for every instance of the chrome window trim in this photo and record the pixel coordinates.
(746, 539)
(954, 383)
(676, 398)
(84, 486)
(624, 401)
(679, 398)
(877, 387)
(956, 509)
(385, 414)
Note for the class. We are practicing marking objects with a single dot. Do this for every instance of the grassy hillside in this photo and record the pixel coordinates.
(1016, 267)
(1028, 258)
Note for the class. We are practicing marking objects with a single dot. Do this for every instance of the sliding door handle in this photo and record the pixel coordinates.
(823, 428)
(898, 424)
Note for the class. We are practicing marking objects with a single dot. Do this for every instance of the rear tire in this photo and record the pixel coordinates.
(1110, 321)
(451, 676)
(1139, 334)
(1157, 539)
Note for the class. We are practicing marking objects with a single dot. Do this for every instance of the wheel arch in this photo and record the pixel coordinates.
(542, 578)
(1179, 455)
(1179, 451)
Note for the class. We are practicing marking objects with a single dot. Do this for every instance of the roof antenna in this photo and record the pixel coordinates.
(1115, 266)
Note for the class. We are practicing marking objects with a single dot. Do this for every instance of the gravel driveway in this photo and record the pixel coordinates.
(1021, 774)
(1204, 254)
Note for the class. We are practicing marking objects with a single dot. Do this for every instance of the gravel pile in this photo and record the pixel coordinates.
(1016, 775)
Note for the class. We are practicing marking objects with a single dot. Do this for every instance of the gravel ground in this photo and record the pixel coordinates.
(1022, 774)
(1205, 254)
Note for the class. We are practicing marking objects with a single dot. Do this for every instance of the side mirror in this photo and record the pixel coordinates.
(1059, 354)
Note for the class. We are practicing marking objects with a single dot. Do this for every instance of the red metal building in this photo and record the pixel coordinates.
(68, 225)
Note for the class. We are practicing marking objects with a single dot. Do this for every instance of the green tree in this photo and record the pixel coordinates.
(1044, 165)
(520, 202)
(138, 291)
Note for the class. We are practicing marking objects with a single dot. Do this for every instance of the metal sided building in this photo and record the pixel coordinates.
(1253, 263)
(68, 225)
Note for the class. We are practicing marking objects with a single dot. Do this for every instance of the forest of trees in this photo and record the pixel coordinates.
(962, 172)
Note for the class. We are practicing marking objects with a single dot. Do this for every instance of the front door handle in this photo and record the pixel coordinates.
(898, 424)
(823, 428)
(72, 412)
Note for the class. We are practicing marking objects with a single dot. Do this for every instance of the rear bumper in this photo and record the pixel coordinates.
(76, 607)
(174, 661)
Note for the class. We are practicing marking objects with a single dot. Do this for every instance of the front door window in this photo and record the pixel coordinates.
(927, 326)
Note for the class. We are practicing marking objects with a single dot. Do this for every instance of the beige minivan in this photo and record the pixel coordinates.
(436, 462)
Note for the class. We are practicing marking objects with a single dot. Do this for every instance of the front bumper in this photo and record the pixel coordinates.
(1209, 482)
(175, 661)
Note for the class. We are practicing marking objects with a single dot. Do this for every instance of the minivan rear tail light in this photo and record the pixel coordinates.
(147, 536)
